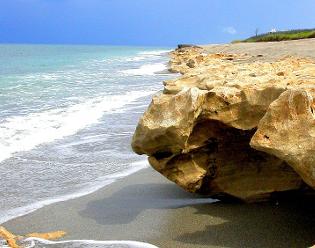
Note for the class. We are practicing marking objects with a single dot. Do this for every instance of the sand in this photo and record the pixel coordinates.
(146, 207)
(269, 50)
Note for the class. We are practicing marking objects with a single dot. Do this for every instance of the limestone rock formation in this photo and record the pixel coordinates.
(230, 126)
(288, 131)
(13, 241)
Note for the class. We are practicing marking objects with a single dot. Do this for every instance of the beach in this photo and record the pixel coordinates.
(269, 50)
(67, 114)
(157, 124)
(142, 205)
(146, 207)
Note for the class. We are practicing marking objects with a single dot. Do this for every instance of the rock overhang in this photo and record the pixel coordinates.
(210, 130)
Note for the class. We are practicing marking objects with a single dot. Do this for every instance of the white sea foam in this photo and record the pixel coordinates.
(36, 242)
(87, 189)
(155, 53)
(149, 69)
(137, 58)
(23, 133)
(147, 55)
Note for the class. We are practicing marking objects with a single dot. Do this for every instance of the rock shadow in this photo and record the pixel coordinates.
(287, 223)
(282, 223)
(124, 206)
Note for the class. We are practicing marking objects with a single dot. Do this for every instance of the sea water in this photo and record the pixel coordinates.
(67, 115)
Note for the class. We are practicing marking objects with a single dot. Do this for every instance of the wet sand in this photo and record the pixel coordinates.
(146, 207)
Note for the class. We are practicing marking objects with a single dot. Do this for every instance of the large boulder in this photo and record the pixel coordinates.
(207, 130)
(288, 131)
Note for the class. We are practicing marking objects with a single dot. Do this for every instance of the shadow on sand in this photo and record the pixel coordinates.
(286, 223)
(125, 205)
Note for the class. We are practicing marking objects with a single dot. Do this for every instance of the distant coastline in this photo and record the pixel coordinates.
(275, 35)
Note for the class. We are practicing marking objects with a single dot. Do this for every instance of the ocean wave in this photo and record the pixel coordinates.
(155, 52)
(137, 58)
(147, 55)
(87, 189)
(41, 243)
(23, 133)
(149, 69)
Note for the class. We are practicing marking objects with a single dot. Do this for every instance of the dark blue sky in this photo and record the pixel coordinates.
(147, 22)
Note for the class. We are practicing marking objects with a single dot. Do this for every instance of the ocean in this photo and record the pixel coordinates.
(67, 115)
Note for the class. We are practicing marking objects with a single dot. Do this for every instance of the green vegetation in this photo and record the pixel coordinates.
(281, 35)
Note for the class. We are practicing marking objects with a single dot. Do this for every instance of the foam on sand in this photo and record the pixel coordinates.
(36, 242)
(88, 189)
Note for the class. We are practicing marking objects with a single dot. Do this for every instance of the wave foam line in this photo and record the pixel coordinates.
(138, 58)
(155, 52)
(148, 55)
(23, 133)
(128, 243)
(102, 182)
(149, 69)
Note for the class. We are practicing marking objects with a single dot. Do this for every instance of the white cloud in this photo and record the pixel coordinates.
(229, 30)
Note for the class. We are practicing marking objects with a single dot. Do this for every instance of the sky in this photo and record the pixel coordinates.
(147, 22)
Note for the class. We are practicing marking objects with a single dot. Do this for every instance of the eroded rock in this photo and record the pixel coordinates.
(14, 241)
(207, 130)
(288, 132)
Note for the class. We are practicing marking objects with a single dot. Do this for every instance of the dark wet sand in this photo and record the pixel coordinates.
(146, 207)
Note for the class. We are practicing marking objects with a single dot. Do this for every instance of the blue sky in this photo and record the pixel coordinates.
(147, 22)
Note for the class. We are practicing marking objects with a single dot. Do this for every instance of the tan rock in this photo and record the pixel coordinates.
(48, 236)
(288, 132)
(9, 237)
(166, 125)
(219, 161)
(14, 240)
(197, 132)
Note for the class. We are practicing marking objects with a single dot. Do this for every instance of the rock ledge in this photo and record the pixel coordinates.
(231, 126)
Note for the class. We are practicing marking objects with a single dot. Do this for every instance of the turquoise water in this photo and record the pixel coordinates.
(67, 114)
(21, 59)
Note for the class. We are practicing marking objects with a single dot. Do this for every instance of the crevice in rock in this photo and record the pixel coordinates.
(220, 162)
(162, 154)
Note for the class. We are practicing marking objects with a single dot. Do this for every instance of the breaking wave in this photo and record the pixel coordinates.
(23, 133)
(149, 69)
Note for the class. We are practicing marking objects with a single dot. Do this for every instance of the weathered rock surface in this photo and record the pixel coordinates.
(230, 127)
(13, 241)
(185, 45)
(288, 131)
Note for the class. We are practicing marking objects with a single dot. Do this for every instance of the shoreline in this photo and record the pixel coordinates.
(11, 211)
(107, 180)
(146, 207)
(151, 190)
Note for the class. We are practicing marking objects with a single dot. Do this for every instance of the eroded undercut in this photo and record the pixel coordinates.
(219, 161)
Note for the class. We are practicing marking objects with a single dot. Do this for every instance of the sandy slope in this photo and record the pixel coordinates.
(269, 50)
